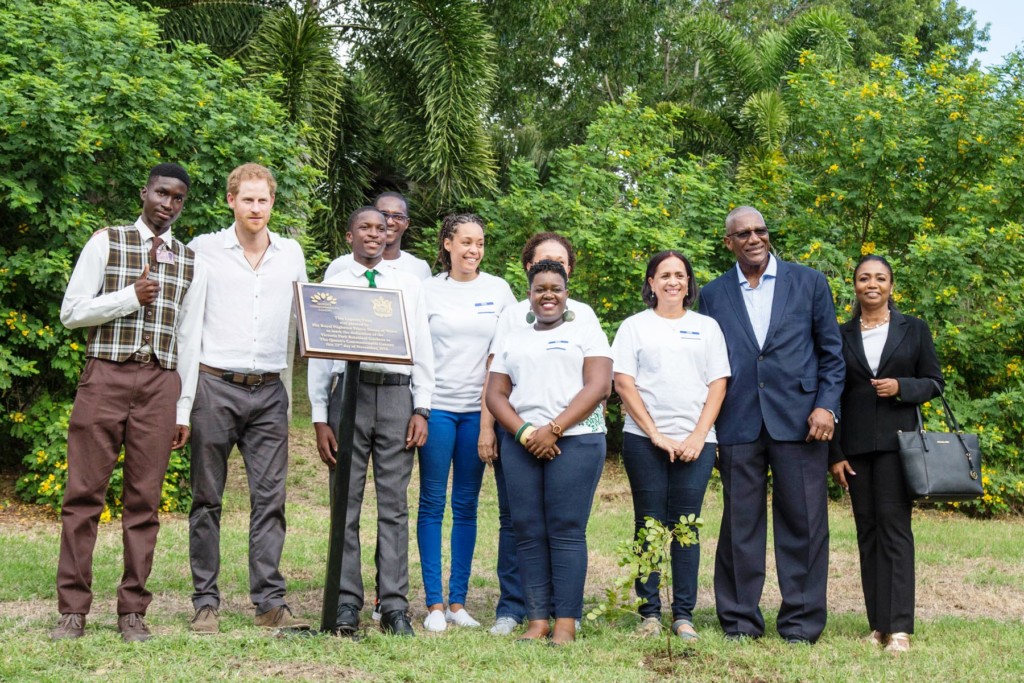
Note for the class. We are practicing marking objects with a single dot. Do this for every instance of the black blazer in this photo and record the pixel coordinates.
(870, 423)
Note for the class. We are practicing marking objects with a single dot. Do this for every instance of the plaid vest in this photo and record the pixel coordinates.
(155, 324)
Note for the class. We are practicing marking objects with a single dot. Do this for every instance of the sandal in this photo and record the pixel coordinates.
(898, 642)
(677, 626)
(877, 638)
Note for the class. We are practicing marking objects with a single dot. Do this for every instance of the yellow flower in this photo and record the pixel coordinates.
(17, 417)
(867, 248)
(74, 346)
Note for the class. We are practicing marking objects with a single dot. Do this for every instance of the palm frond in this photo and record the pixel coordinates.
(431, 62)
(764, 114)
(226, 26)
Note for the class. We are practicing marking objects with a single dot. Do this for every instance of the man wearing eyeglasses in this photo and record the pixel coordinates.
(395, 209)
(780, 411)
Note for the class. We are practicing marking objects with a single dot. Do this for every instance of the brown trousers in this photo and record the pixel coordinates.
(133, 405)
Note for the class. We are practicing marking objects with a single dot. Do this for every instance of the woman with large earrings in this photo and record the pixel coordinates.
(463, 305)
(544, 385)
(891, 367)
(671, 368)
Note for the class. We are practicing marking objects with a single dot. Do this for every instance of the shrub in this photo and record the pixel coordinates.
(90, 99)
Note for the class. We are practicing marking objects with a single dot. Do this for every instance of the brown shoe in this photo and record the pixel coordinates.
(205, 620)
(132, 628)
(69, 626)
(281, 617)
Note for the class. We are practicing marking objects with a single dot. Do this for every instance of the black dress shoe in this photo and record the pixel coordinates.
(347, 619)
(797, 640)
(396, 622)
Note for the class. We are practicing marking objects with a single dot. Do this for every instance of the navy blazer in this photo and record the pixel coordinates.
(870, 423)
(800, 367)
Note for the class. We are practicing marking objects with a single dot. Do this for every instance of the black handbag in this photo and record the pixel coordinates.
(941, 467)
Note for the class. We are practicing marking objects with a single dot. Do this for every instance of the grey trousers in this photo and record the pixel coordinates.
(256, 420)
(382, 418)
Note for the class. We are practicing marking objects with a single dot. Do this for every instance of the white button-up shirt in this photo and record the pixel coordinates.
(406, 263)
(758, 300)
(322, 371)
(84, 306)
(248, 311)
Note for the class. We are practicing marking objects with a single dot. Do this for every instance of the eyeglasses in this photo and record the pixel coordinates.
(744, 235)
(397, 217)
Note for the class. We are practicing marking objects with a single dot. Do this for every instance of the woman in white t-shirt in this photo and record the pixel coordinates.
(545, 382)
(671, 366)
(463, 306)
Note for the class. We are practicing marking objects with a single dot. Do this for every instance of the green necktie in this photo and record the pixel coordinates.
(371, 275)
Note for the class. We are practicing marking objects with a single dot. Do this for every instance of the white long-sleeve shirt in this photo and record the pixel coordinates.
(84, 306)
(246, 322)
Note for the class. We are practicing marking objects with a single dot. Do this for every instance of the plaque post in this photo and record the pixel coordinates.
(339, 497)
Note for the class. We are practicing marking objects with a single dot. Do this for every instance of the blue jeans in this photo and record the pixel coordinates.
(451, 445)
(550, 504)
(665, 491)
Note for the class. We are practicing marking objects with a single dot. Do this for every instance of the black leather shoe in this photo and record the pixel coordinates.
(347, 619)
(396, 622)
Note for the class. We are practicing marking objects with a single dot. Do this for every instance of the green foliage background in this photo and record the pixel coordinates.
(90, 99)
(630, 127)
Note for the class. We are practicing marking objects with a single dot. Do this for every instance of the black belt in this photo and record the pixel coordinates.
(246, 380)
(383, 378)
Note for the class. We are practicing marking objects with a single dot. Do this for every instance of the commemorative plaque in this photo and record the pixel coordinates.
(352, 323)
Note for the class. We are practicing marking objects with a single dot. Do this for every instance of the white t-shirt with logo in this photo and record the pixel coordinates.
(672, 362)
(546, 369)
(463, 317)
(405, 263)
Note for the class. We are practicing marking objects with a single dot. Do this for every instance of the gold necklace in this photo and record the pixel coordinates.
(867, 327)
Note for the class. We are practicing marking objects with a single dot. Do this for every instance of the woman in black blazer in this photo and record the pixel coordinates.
(891, 367)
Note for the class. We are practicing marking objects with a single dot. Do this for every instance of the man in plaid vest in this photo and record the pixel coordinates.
(141, 294)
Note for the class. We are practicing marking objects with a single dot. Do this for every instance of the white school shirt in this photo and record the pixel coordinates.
(514, 317)
(546, 369)
(322, 371)
(83, 306)
(672, 363)
(246, 324)
(463, 317)
(406, 263)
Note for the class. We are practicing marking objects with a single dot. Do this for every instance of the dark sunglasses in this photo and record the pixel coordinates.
(744, 235)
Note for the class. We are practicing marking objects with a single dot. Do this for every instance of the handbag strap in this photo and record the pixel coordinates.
(954, 427)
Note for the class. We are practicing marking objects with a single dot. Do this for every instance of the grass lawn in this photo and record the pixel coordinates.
(970, 598)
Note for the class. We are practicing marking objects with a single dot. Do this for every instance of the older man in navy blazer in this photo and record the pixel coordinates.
(779, 413)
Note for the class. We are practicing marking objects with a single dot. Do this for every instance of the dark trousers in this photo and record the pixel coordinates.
(256, 420)
(382, 418)
(665, 491)
(550, 504)
(133, 405)
(881, 510)
(510, 584)
(800, 524)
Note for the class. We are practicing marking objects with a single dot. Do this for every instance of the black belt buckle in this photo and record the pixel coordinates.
(371, 377)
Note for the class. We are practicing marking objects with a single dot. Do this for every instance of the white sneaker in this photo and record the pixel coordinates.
(435, 621)
(461, 618)
(503, 626)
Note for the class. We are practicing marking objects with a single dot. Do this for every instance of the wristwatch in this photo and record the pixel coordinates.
(422, 412)
(556, 429)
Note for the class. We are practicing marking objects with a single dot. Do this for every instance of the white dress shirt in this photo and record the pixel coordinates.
(405, 263)
(84, 306)
(758, 300)
(246, 324)
(322, 371)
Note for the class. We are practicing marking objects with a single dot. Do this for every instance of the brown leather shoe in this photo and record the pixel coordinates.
(69, 626)
(205, 620)
(281, 617)
(132, 628)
